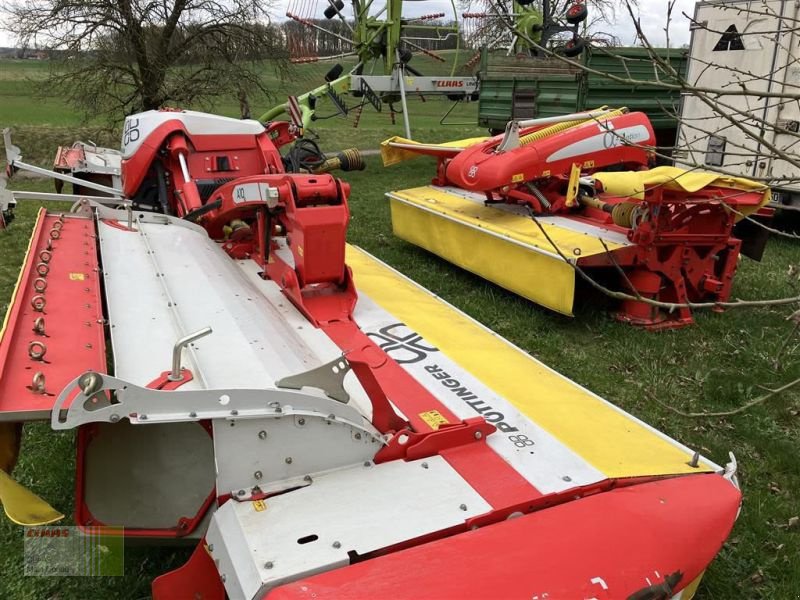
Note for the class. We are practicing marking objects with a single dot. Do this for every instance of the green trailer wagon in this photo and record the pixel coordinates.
(515, 87)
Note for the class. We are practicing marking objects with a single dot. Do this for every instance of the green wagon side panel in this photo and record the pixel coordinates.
(508, 82)
(560, 95)
(635, 63)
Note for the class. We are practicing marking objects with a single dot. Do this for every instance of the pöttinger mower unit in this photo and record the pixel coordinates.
(316, 441)
(527, 208)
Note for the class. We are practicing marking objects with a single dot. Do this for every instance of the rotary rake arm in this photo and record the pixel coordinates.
(383, 42)
(307, 103)
(514, 24)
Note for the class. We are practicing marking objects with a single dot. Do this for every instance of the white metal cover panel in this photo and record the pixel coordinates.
(163, 282)
(139, 126)
(546, 463)
(277, 453)
(258, 546)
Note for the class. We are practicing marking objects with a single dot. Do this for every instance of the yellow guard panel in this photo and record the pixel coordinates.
(408, 149)
(24, 507)
(612, 441)
(505, 248)
(634, 183)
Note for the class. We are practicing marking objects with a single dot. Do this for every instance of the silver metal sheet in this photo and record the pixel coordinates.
(148, 477)
(258, 546)
(279, 453)
(144, 405)
(167, 280)
(264, 440)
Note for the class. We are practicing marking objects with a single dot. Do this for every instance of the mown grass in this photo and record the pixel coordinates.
(718, 364)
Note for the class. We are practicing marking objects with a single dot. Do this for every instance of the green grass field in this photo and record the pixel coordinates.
(719, 364)
(41, 121)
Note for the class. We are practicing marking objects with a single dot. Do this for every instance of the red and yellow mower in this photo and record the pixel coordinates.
(528, 208)
(319, 425)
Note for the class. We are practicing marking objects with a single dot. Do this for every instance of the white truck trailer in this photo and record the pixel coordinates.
(750, 49)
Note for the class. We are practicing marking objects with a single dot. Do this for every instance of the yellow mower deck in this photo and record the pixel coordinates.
(500, 242)
(610, 440)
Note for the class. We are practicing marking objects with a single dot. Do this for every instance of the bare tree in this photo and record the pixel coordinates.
(512, 25)
(123, 56)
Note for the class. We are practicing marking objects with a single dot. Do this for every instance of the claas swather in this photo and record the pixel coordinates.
(317, 425)
(526, 209)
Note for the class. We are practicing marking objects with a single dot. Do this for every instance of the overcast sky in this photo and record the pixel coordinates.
(653, 17)
(652, 13)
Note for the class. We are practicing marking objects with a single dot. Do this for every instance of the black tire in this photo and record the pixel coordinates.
(330, 12)
(574, 47)
(577, 13)
(334, 73)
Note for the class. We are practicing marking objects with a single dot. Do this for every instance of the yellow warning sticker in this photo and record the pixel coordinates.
(517, 178)
(259, 505)
(77, 276)
(433, 418)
